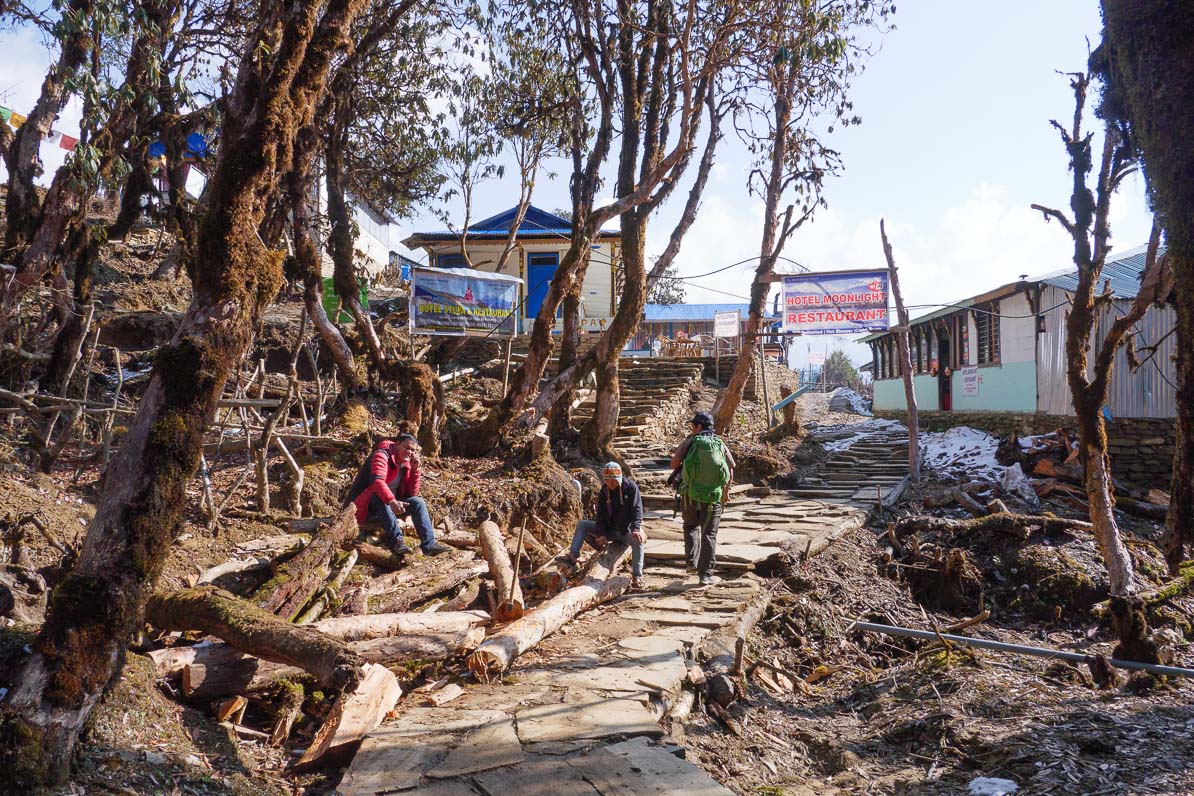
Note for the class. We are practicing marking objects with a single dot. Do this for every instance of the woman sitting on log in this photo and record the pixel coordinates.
(387, 487)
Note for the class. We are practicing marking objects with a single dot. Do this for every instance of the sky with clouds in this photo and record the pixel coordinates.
(954, 146)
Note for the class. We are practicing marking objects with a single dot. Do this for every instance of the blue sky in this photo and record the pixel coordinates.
(954, 146)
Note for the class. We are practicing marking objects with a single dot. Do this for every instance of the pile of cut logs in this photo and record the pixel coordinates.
(272, 629)
(1052, 462)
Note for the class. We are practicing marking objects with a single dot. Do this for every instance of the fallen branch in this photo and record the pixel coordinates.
(296, 581)
(257, 632)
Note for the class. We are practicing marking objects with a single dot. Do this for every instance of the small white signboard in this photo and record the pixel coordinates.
(970, 381)
(725, 324)
(816, 358)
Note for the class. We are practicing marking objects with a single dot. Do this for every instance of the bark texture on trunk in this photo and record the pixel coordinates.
(296, 581)
(257, 632)
(776, 229)
(21, 161)
(1148, 52)
(101, 602)
(905, 352)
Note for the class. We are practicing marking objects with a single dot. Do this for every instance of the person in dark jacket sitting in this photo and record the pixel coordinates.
(387, 487)
(619, 517)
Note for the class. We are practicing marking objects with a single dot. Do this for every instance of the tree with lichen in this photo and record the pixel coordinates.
(1089, 378)
(100, 603)
(1147, 62)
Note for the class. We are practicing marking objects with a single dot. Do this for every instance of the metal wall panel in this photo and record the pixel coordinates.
(1148, 392)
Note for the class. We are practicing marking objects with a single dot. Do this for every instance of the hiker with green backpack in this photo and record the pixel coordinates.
(706, 472)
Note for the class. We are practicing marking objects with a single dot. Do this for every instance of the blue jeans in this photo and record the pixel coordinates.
(586, 531)
(416, 509)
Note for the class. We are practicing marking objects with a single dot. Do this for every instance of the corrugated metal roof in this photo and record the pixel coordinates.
(1122, 270)
(694, 312)
(536, 224)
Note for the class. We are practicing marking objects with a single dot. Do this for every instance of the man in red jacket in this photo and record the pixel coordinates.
(387, 487)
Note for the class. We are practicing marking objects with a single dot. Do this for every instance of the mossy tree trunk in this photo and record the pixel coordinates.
(1148, 55)
(21, 161)
(101, 602)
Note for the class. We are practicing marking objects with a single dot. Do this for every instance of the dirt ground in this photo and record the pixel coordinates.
(897, 716)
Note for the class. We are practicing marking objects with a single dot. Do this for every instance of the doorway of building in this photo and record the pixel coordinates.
(541, 268)
(944, 371)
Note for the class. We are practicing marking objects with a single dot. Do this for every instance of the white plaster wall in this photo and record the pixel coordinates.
(1017, 330)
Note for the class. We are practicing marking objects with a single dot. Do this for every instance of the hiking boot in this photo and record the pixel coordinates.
(710, 580)
(399, 548)
(690, 569)
(435, 549)
(567, 560)
(636, 584)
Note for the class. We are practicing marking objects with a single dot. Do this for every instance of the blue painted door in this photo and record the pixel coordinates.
(541, 267)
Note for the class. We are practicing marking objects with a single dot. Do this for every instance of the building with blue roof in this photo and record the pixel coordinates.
(541, 241)
(678, 321)
(1004, 350)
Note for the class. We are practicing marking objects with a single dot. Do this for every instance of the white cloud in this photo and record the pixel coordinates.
(983, 241)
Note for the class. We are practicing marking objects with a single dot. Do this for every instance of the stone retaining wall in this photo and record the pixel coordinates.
(1141, 448)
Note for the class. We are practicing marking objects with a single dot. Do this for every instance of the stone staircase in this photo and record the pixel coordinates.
(864, 472)
(654, 409)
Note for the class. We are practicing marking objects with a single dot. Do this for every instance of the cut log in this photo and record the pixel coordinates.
(355, 715)
(234, 567)
(379, 556)
(220, 670)
(360, 628)
(169, 662)
(466, 597)
(205, 680)
(257, 632)
(1149, 511)
(290, 707)
(420, 580)
(296, 581)
(510, 604)
(718, 651)
(425, 647)
(499, 651)
(971, 505)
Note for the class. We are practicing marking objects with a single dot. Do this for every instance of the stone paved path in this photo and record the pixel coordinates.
(582, 713)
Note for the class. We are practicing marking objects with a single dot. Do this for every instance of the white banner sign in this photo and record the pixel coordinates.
(816, 358)
(970, 381)
(725, 324)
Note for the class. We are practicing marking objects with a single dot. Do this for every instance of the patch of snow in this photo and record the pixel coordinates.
(1014, 482)
(963, 452)
(846, 400)
(840, 438)
(992, 786)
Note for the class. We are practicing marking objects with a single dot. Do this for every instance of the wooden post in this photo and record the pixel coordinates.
(717, 360)
(506, 368)
(767, 415)
(905, 361)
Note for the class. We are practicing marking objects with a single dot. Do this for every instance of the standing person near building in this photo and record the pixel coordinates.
(705, 478)
(387, 487)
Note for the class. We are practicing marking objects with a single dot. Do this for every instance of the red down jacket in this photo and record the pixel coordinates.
(378, 473)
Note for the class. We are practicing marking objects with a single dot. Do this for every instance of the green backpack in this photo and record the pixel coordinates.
(706, 472)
